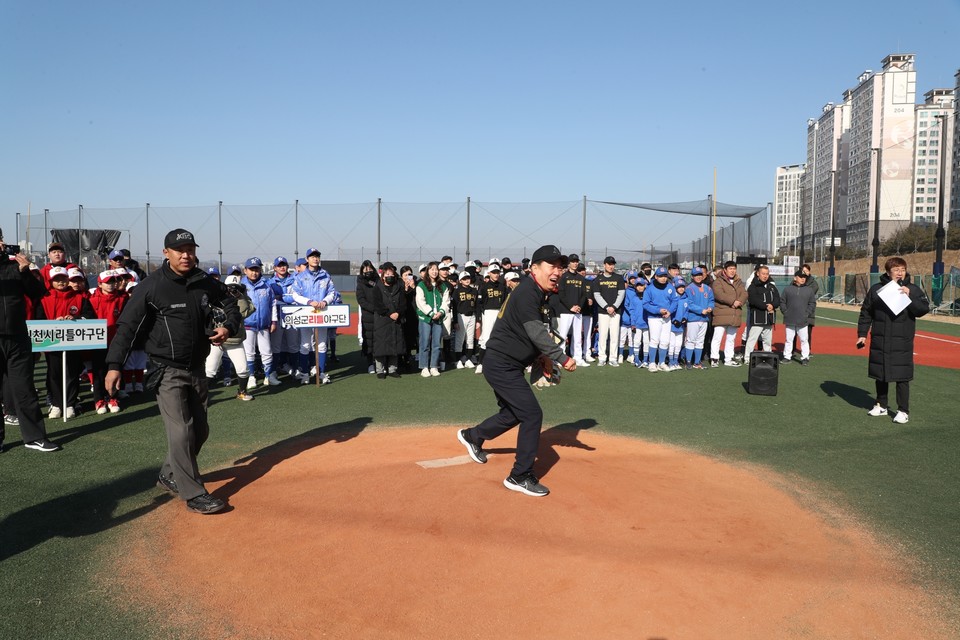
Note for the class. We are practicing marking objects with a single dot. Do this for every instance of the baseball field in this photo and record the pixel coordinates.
(681, 507)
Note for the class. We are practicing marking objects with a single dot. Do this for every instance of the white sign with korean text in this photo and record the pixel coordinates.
(67, 335)
(336, 315)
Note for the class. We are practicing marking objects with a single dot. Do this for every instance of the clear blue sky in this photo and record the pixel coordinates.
(114, 104)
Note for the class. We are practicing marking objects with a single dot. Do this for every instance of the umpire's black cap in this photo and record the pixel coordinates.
(549, 253)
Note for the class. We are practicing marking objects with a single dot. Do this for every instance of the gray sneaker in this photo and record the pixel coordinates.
(475, 451)
(526, 484)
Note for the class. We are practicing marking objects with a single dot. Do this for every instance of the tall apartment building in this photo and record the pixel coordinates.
(955, 165)
(934, 156)
(825, 184)
(786, 206)
(881, 134)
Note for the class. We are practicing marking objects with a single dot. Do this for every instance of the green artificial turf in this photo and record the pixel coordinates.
(62, 515)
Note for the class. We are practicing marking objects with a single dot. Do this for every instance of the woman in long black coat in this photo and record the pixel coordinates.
(366, 281)
(389, 302)
(891, 338)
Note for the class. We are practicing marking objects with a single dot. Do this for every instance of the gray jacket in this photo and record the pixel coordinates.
(797, 304)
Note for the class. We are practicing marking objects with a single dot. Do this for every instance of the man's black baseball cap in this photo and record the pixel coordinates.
(573, 258)
(177, 238)
(549, 253)
(609, 260)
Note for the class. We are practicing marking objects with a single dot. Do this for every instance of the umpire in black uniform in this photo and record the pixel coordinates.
(180, 312)
(520, 337)
(16, 356)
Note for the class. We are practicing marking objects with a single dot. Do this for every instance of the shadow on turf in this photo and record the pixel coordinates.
(90, 423)
(251, 468)
(78, 514)
(854, 396)
(561, 435)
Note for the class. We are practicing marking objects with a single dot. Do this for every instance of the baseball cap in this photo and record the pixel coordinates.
(641, 280)
(232, 280)
(506, 260)
(116, 254)
(661, 271)
(57, 272)
(280, 260)
(445, 265)
(56, 244)
(123, 273)
(178, 238)
(311, 251)
(421, 268)
(800, 273)
(512, 275)
(253, 263)
(464, 275)
(213, 271)
(550, 253)
(573, 258)
(609, 260)
(74, 272)
(697, 271)
(493, 266)
(679, 282)
(630, 274)
(106, 275)
(581, 268)
(300, 262)
(236, 267)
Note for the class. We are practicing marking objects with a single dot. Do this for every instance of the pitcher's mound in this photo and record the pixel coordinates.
(344, 535)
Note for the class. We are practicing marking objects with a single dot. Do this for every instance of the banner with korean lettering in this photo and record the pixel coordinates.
(67, 335)
(306, 317)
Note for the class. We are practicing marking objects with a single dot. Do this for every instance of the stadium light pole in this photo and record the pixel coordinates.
(874, 266)
(941, 233)
(17, 239)
(803, 226)
(79, 231)
(468, 229)
(296, 231)
(712, 230)
(148, 241)
(220, 234)
(773, 249)
(834, 209)
(583, 237)
(378, 231)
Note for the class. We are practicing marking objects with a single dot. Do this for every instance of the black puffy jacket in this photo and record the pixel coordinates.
(172, 313)
(891, 336)
(14, 286)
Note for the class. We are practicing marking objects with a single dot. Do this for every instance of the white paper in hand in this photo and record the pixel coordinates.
(895, 299)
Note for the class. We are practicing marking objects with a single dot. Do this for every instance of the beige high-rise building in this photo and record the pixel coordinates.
(881, 133)
(825, 184)
(955, 164)
(786, 206)
(932, 170)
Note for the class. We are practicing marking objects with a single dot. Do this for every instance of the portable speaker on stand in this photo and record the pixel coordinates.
(764, 373)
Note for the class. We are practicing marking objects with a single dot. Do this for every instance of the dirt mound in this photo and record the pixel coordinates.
(345, 535)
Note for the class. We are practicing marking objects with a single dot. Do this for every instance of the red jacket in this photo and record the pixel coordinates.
(108, 307)
(57, 304)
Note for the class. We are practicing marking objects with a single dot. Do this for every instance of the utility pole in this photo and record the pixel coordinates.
(875, 267)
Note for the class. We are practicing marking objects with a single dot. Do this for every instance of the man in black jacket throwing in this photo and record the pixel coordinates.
(172, 311)
(520, 337)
